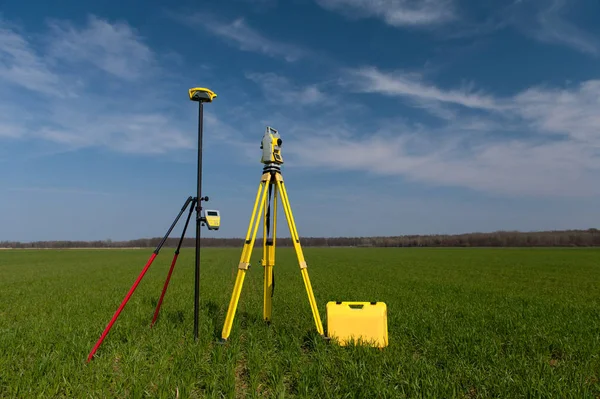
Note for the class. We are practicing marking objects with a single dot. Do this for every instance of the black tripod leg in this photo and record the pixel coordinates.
(162, 295)
(132, 289)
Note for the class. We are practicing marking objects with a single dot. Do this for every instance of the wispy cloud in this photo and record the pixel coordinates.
(506, 167)
(85, 114)
(12, 122)
(553, 27)
(280, 90)
(412, 86)
(9, 130)
(548, 22)
(555, 111)
(398, 13)
(113, 47)
(244, 37)
(544, 21)
(571, 112)
(542, 141)
(20, 65)
(147, 133)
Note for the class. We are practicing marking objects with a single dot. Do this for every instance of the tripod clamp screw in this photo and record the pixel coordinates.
(198, 205)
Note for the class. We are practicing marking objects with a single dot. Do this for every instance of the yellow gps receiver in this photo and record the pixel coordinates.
(201, 94)
(212, 219)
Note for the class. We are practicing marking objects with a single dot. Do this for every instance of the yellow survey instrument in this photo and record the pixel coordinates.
(271, 147)
(270, 189)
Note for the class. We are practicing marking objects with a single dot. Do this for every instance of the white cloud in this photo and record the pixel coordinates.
(398, 13)
(539, 142)
(514, 168)
(280, 90)
(548, 22)
(20, 65)
(147, 133)
(113, 47)
(12, 121)
(571, 112)
(568, 112)
(10, 130)
(411, 86)
(82, 115)
(246, 38)
(553, 27)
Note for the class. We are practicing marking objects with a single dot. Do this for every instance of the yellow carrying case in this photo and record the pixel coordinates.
(358, 322)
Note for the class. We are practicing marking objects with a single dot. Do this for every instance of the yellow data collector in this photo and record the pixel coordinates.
(212, 218)
(358, 322)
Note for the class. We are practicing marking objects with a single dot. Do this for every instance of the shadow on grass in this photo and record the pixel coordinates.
(247, 319)
(175, 317)
(312, 341)
(212, 308)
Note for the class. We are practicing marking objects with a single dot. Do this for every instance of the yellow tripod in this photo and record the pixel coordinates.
(271, 183)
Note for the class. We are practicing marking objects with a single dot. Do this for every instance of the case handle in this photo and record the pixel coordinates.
(355, 304)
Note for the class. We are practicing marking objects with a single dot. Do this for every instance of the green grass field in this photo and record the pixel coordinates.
(462, 323)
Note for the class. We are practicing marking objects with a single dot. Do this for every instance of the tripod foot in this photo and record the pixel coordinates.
(221, 341)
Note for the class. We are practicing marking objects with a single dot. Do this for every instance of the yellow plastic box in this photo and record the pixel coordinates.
(358, 322)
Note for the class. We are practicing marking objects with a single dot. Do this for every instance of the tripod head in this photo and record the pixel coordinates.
(271, 147)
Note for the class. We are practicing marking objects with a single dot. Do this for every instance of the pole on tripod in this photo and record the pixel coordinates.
(198, 219)
(201, 95)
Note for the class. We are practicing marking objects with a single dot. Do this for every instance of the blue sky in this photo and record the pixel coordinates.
(397, 117)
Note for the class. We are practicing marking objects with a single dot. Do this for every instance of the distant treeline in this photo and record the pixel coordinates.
(562, 238)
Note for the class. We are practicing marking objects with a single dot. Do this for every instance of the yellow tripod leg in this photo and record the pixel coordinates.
(269, 261)
(296, 241)
(245, 258)
(264, 260)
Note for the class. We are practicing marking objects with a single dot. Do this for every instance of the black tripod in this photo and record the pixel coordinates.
(201, 95)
